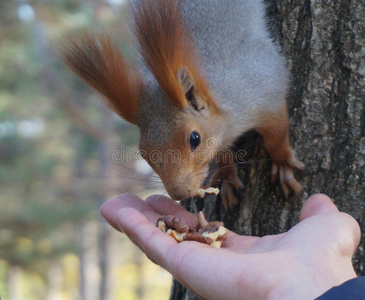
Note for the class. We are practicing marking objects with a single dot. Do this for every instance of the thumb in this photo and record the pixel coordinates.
(316, 205)
(343, 228)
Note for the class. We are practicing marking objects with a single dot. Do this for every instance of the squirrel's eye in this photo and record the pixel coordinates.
(194, 140)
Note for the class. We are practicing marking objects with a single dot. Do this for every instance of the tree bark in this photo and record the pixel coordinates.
(323, 42)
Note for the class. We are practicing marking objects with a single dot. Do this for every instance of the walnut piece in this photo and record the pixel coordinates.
(210, 190)
(173, 226)
(210, 233)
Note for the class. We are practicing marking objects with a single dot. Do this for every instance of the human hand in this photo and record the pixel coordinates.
(302, 263)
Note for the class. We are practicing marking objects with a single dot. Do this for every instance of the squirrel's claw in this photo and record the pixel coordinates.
(285, 172)
(229, 199)
(230, 182)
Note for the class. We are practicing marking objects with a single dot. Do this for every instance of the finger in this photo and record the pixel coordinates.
(166, 206)
(351, 234)
(339, 226)
(189, 262)
(317, 204)
(144, 234)
(109, 208)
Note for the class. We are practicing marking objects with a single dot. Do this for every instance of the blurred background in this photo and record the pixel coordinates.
(62, 153)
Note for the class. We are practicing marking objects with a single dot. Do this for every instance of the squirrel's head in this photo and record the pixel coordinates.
(179, 120)
(178, 142)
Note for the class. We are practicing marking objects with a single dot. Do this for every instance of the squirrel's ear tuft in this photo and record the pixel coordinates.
(99, 62)
(168, 50)
(186, 80)
(196, 93)
(189, 86)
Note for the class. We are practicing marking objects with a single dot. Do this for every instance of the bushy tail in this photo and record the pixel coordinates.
(99, 62)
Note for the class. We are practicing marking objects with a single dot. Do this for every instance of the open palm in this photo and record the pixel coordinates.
(302, 263)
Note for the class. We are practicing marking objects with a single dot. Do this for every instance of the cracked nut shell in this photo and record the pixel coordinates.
(210, 233)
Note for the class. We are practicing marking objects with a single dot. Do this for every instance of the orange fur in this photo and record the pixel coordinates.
(274, 130)
(99, 62)
(166, 47)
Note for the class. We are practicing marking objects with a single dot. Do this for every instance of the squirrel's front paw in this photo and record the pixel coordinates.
(230, 181)
(284, 170)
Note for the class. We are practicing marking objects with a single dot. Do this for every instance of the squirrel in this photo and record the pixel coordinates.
(209, 72)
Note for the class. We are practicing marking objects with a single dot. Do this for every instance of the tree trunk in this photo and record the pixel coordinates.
(323, 42)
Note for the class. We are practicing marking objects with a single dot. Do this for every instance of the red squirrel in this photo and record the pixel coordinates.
(209, 72)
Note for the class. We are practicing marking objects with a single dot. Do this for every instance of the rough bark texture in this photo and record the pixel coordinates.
(323, 42)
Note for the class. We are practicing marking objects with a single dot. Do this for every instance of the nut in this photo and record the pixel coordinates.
(173, 226)
(210, 233)
(173, 222)
(210, 190)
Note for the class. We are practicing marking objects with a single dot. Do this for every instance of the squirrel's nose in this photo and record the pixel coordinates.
(179, 193)
(181, 187)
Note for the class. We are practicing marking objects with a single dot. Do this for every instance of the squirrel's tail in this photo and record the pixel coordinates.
(99, 62)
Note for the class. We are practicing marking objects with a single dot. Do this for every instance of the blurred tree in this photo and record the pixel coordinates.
(39, 198)
(56, 163)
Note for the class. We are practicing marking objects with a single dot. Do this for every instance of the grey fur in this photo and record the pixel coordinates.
(244, 69)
